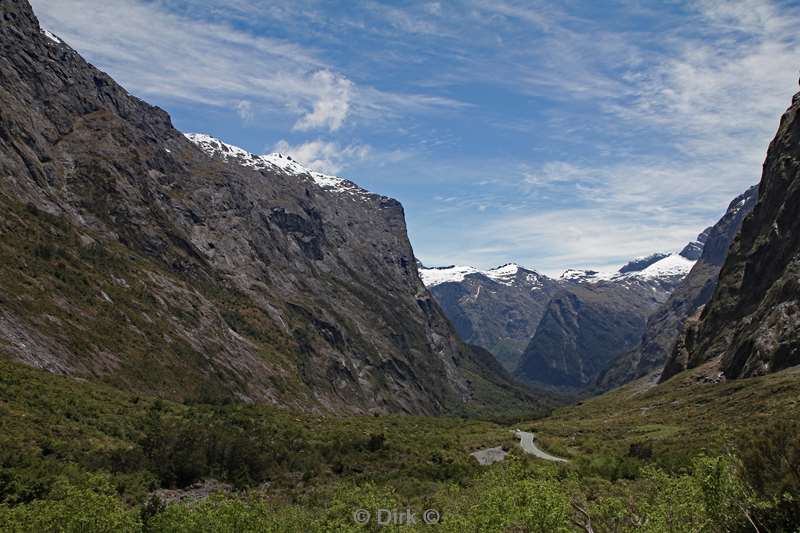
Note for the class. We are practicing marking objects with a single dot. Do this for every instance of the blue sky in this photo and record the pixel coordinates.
(557, 135)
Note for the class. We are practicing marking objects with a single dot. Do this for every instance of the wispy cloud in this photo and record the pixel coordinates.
(683, 120)
(244, 108)
(155, 52)
(330, 109)
(547, 133)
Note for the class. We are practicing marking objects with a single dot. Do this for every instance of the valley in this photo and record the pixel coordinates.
(196, 337)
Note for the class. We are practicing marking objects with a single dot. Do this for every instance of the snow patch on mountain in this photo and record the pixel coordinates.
(668, 267)
(674, 265)
(51, 36)
(275, 161)
(449, 274)
(585, 276)
(508, 274)
(505, 274)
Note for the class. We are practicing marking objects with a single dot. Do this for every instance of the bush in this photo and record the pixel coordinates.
(92, 508)
(222, 514)
(771, 464)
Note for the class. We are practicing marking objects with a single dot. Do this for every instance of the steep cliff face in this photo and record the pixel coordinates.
(665, 325)
(584, 328)
(752, 322)
(133, 256)
(498, 310)
(557, 332)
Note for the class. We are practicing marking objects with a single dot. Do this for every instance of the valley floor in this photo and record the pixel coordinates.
(688, 455)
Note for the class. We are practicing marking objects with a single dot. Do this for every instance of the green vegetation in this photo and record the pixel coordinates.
(91, 296)
(77, 456)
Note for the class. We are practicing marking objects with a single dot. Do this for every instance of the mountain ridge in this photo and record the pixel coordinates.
(750, 323)
(501, 309)
(152, 266)
(665, 324)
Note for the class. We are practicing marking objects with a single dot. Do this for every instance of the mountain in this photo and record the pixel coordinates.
(751, 323)
(526, 319)
(189, 269)
(595, 317)
(664, 326)
(498, 309)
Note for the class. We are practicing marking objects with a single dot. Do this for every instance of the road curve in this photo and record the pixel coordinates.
(526, 442)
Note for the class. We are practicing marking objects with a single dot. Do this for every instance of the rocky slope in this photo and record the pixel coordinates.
(498, 309)
(664, 326)
(595, 318)
(529, 321)
(752, 322)
(193, 270)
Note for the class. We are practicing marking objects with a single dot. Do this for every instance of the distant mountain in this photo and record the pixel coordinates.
(187, 268)
(529, 320)
(596, 317)
(497, 309)
(752, 322)
(664, 326)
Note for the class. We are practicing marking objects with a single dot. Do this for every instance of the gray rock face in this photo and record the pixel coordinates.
(585, 327)
(498, 310)
(133, 256)
(665, 325)
(559, 333)
(752, 320)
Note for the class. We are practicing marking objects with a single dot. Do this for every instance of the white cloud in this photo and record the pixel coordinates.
(244, 108)
(332, 105)
(699, 110)
(324, 156)
(154, 52)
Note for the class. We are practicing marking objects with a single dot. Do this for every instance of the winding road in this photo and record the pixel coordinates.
(526, 442)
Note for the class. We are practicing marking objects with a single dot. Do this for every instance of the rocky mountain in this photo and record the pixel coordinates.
(664, 326)
(528, 320)
(498, 309)
(752, 322)
(190, 269)
(596, 317)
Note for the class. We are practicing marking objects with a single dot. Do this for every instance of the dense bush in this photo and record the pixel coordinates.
(771, 461)
(518, 495)
(293, 472)
(91, 507)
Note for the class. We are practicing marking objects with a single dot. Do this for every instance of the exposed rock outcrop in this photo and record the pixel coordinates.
(664, 326)
(132, 256)
(752, 321)
(584, 328)
(498, 309)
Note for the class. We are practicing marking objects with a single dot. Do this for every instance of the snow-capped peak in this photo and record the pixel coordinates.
(672, 266)
(506, 272)
(666, 267)
(640, 263)
(449, 274)
(274, 161)
(505, 275)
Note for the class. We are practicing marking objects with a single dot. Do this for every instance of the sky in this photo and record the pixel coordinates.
(574, 134)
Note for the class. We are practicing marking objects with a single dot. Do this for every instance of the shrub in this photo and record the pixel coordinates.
(93, 508)
(221, 514)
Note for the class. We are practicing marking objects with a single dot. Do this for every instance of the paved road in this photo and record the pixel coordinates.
(526, 442)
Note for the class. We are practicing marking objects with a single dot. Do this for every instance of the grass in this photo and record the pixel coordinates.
(58, 434)
(680, 418)
(57, 421)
